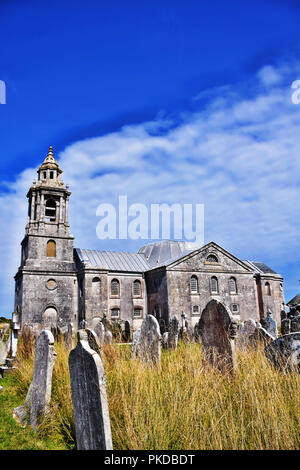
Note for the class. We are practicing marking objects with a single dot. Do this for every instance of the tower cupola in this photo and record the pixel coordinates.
(49, 172)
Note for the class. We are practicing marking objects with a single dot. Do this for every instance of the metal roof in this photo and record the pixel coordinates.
(261, 267)
(165, 251)
(113, 261)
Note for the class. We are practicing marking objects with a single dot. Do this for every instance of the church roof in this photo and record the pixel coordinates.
(261, 267)
(294, 301)
(165, 251)
(114, 261)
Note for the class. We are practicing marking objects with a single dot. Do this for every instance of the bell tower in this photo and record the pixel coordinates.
(46, 280)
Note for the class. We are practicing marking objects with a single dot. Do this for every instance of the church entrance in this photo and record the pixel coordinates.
(49, 318)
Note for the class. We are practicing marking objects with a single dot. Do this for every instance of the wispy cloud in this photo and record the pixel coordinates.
(238, 154)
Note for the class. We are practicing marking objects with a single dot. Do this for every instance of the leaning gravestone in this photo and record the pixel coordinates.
(218, 330)
(39, 393)
(98, 328)
(173, 333)
(108, 337)
(148, 348)
(260, 336)
(270, 325)
(93, 340)
(295, 324)
(245, 330)
(88, 386)
(284, 352)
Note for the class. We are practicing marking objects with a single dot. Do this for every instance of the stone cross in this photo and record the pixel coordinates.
(88, 386)
(39, 393)
(218, 330)
(148, 348)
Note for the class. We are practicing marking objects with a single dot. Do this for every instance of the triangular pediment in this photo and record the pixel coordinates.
(199, 260)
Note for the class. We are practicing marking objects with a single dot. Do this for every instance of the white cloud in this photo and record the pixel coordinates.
(239, 156)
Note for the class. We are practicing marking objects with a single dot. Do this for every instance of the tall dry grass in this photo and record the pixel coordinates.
(183, 405)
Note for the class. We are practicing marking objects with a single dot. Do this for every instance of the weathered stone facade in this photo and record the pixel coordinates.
(57, 284)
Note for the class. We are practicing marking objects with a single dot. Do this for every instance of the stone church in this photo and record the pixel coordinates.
(57, 284)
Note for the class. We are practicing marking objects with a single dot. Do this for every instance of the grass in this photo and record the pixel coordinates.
(179, 405)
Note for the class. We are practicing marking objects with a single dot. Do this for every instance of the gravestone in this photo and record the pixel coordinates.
(39, 393)
(98, 328)
(173, 333)
(135, 343)
(148, 348)
(197, 333)
(108, 337)
(270, 325)
(218, 330)
(295, 324)
(127, 331)
(93, 340)
(4, 350)
(284, 352)
(162, 326)
(285, 326)
(164, 341)
(88, 387)
(69, 337)
(245, 330)
(260, 336)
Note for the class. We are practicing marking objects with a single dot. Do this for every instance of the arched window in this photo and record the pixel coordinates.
(232, 285)
(49, 318)
(212, 259)
(115, 313)
(51, 249)
(50, 211)
(115, 287)
(267, 288)
(194, 284)
(137, 289)
(214, 285)
(96, 286)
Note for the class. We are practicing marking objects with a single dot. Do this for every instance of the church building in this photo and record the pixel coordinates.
(57, 284)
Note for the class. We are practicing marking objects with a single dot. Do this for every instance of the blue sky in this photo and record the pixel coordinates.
(170, 101)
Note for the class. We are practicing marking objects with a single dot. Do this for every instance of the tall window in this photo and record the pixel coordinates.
(50, 214)
(115, 313)
(267, 288)
(214, 285)
(232, 285)
(51, 249)
(115, 287)
(137, 289)
(194, 284)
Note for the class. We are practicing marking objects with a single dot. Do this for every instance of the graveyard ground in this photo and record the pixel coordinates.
(178, 405)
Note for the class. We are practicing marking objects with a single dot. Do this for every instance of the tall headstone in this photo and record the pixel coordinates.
(39, 394)
(173, 333)
(108, 337)
(88, 386)
(284, 352)
(69, 337)
(245, 330)
(135, 343)
(218, 330)
(149, 342)
(285, 326)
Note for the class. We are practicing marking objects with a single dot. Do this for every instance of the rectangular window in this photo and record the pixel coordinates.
(137, 312)
(115, 313)
(196, 310)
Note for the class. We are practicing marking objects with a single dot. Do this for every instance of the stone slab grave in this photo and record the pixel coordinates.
(270, 325)
(284, 352)
(218, 329)
(88, 387)
(147, 343)
(39, 393)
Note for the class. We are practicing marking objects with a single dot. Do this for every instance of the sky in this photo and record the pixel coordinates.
(164, 102)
